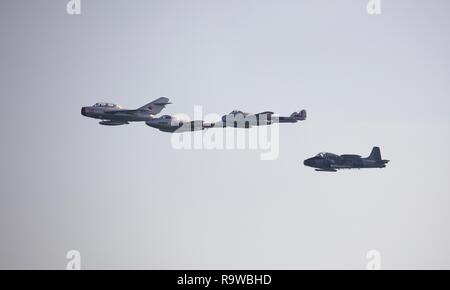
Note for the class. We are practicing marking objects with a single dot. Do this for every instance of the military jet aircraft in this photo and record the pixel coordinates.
(240, 119)
(114, 115)
(173, 124)
(331, 162)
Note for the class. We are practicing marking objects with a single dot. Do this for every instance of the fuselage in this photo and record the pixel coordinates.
(332, 162)
(106, 111)
(240, 119)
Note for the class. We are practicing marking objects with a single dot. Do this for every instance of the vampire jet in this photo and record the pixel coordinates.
(331, 162)
(114, 115)
(174, 124)
(240, 119)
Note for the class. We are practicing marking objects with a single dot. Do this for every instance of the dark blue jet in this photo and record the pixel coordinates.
(331, 162)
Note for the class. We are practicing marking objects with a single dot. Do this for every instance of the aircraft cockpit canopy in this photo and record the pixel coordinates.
(325, 155)
(106, 105)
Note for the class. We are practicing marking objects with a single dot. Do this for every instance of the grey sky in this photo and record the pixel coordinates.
(125, 199)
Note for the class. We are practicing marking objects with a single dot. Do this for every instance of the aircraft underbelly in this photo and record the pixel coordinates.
(124, 117)
(340, 166)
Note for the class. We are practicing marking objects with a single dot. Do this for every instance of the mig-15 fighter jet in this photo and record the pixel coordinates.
(114, 115)
(331, 162)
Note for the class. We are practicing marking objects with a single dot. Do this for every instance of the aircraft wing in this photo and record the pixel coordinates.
(264, 113)
(341, 166)
(128, 112)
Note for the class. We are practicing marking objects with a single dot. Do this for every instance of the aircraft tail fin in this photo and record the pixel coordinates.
(299, 116)
(156, 106)
(375, 154)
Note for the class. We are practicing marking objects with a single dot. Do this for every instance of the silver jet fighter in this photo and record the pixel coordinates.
(331, 162)
(114, 115)
(240, 119)
(173, 124)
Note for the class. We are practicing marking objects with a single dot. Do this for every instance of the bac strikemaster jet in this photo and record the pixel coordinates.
(331, 162)
(113, 115)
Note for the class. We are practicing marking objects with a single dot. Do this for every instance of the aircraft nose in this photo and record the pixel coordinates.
(309, 162)
(83, 111)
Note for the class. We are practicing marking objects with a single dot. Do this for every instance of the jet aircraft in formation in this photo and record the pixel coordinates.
(114, 115)
(239, 119)
(331, 162)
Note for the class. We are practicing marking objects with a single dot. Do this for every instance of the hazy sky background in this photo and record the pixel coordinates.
(124, 198)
